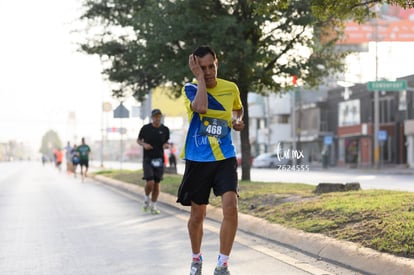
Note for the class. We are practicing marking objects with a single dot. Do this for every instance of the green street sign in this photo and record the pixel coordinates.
(384, 85)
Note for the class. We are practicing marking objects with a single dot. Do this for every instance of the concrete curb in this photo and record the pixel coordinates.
(346, 253)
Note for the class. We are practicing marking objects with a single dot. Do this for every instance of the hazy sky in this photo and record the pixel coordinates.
(42, 76)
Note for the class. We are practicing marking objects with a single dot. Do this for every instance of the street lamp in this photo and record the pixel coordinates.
(376, 97)
(294, 82)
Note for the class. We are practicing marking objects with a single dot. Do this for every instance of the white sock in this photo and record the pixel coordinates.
(146, 198)
(152, 204)
(197, 257)
(222, 260)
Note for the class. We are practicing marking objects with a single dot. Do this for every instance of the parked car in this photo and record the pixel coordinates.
(268, 160)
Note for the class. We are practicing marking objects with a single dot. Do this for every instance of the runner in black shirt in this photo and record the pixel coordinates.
(153, 137)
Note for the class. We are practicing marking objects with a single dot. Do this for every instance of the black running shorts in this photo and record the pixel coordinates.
(200, 177)
(151, 172)
(84, 162)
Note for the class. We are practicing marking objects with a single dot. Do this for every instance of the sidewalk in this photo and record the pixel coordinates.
(365, 260)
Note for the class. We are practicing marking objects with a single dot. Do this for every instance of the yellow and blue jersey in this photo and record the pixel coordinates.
(209, 135)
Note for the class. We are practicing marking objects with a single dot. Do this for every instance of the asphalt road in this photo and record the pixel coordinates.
(52, 223)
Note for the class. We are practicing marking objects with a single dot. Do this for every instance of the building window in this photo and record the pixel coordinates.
(283, 119)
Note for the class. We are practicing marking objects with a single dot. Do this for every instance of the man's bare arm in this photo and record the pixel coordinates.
(237, 119)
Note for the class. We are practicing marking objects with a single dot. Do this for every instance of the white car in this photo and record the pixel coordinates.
(269, 160)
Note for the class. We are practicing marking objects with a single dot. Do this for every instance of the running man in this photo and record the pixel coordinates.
(214, 107)
(84, 150)
(75, 159)
(153, 137)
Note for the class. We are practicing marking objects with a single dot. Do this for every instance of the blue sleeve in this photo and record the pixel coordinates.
(190, 90)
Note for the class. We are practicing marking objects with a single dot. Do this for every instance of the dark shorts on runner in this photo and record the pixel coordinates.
(200, 177)
(151, 172)
(75, 161)
(84, 162)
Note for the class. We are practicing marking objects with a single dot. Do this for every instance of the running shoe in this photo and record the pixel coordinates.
(155, 211)
(221, 270)
(196, 268)
(145, 207)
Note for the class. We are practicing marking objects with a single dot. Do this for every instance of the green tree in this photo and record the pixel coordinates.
(260, 44)
(50, 141)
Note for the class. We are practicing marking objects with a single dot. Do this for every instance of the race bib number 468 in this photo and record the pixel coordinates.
(214, 127)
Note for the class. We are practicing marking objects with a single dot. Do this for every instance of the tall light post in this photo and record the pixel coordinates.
(102, 129)
(376, 102)
(293, 103)
(106, 108)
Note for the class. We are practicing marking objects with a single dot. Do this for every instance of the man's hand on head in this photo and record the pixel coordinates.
(195, 68)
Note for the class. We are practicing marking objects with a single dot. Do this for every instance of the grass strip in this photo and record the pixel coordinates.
(380, 219)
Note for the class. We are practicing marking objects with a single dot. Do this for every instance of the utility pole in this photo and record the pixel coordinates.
(376, 103)
(102, 134)
(293, 107)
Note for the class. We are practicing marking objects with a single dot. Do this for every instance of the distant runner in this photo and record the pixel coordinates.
(84, 151)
